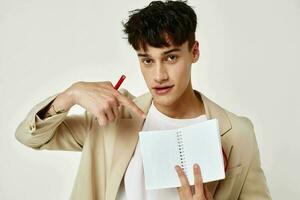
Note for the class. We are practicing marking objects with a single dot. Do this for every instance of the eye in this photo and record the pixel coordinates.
(146, 61)
(172, 58)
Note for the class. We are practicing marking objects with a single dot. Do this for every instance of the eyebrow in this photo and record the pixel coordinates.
(164, 53)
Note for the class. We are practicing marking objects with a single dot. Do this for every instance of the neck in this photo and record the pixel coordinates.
(185, 107)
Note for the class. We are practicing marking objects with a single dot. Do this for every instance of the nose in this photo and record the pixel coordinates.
(161, 74)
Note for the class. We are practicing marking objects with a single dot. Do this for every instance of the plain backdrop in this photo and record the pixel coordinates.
(249, 64)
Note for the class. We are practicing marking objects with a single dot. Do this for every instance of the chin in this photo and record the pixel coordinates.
(165, 100)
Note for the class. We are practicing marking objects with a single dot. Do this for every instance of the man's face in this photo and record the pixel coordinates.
(167, 71)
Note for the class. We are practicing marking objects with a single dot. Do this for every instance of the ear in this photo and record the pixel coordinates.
(195, 51)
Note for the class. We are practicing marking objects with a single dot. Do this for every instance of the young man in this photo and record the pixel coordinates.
(163, 35)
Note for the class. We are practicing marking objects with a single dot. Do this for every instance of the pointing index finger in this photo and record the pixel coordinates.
(129, 103)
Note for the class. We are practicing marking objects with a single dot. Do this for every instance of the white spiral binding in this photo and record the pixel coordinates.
(183, 162)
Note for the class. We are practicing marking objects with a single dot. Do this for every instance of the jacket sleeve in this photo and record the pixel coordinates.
(255, 185)
(58, 132)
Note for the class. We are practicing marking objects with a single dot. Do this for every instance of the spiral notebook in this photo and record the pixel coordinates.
(198, 143)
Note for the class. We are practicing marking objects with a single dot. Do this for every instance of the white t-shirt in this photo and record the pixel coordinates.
(133, 184)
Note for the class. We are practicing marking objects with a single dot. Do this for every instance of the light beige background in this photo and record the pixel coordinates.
(249, 65)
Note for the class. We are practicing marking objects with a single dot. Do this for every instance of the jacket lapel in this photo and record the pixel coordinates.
(212, 110)
(127, 130)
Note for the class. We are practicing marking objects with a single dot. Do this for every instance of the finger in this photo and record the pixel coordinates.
(198, 181)
(185, 190)
(208, 195)
(115, 111)
(115, 108)
(114, 103)
(102, 119)
(110, 115)
(128, 103)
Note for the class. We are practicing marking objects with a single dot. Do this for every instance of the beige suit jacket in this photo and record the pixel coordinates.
(106, 151)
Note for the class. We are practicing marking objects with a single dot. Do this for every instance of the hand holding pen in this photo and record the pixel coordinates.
(102, 99)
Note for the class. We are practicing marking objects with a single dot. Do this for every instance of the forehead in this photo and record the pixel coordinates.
(160, 51)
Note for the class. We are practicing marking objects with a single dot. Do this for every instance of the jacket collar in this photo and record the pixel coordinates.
(127, 130)
(212, 110)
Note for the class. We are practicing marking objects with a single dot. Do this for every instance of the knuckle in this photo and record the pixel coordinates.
(125, 100)
(105, 106)
(109, 116)
(104, 121)
(100, 121)
(100, 110)
(112, 101)
(112, 119)
(107, 83)
(117, 93)
(180, 189)
(185, 189)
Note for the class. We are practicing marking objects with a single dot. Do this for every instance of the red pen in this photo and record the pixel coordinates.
(120, 82)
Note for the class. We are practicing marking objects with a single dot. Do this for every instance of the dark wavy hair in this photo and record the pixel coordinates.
(161, 24)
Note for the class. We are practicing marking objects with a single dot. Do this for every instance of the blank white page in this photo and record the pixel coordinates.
(160, 155)
(202, 145)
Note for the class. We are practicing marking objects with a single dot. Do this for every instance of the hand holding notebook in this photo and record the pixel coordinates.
(198, 143)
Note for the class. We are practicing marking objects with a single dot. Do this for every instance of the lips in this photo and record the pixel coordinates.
(162, 89)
